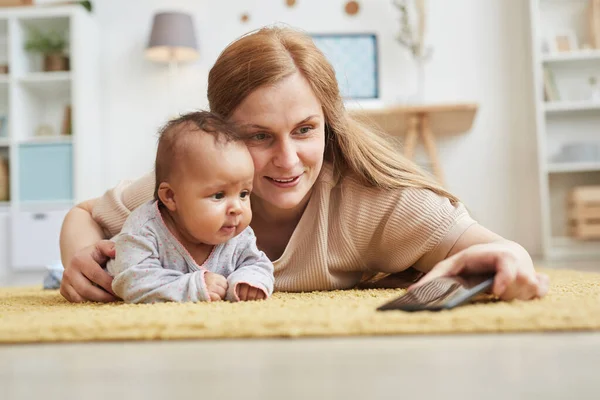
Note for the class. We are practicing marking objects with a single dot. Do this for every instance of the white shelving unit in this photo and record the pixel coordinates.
(48, 174)
(571, 119)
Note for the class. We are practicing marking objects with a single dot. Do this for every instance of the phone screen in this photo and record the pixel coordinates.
(441, 293)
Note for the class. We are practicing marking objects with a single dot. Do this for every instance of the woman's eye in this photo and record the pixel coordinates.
(259, 136)
(218, 196)
(245, 194)
(305, 129)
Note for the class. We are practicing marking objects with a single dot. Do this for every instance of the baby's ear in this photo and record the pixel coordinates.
(167, 196)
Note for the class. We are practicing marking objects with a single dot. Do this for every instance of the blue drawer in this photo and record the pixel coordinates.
(45, 172)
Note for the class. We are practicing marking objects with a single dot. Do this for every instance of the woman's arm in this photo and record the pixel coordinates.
(479, 250)
(82, 253)
(79, 230)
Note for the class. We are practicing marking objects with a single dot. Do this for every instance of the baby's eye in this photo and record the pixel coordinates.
(245, 194)
(218, 196)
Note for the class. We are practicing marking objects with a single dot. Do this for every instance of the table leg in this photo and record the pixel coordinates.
(412, 132)
(429, 143)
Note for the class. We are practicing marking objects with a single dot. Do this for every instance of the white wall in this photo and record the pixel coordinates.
(481, 54)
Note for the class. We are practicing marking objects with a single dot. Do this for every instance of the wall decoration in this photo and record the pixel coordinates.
(245, 17)
(413, 21)
(352, 7)
(290, 3)
(354, 57)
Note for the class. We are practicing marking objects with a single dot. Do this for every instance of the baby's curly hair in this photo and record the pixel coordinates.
(174, 137)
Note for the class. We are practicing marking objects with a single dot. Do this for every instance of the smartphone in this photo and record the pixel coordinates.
(441, 293)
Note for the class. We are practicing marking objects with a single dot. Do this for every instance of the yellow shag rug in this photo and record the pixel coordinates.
(34, 315)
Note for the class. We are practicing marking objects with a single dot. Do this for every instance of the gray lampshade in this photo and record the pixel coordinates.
(173, 38)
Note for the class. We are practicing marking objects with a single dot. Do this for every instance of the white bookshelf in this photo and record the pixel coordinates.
(48, 173)
(570, 117)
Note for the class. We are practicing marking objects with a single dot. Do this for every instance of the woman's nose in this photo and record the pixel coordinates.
(286, 156)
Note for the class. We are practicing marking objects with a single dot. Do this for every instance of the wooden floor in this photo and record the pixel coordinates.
(507, 366)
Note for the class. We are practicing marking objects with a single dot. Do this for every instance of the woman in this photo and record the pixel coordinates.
(333, 202)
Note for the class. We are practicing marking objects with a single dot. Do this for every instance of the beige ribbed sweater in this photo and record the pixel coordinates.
(347, 229)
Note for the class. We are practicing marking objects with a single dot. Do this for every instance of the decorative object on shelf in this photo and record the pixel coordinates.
(52, 45)
(290, 3)
(352, 7)
(67, 123)
(565, 41)
(355, 61)
(4, 179)
(15, 3)
(4, 69)
(3, 126)
(594, 89)
(413, 19)
(44, 130)
(594, 22)
(584, 212)
(245, 17)
(578, 152)
(550, 90)
(172, 41)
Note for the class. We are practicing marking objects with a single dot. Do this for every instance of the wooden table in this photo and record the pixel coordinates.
(426, 121)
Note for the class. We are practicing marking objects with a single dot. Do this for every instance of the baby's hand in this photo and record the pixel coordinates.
(246, 292)
(216, 285)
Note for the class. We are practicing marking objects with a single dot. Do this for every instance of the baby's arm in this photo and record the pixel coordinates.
(253, 268)
(140, 278)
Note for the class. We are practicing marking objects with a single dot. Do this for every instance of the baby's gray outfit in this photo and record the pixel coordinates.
(151, 265)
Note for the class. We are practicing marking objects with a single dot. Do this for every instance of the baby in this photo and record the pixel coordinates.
(193, 242)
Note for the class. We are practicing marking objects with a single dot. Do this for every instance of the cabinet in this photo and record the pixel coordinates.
(49, 129)
(566, 71)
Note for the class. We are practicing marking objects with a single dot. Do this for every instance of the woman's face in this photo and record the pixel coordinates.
(285, 131)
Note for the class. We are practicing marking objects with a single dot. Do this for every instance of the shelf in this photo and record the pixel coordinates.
(42, 77)
(581, 55)
(47, 139)
(565, 167)
(4, 79)
(566, 106)
(4, 142)
(50, 82)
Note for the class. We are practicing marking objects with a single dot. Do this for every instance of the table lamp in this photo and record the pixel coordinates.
(172, 41)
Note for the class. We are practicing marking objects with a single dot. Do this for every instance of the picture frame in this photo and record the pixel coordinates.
(564, 41)
(355, 59)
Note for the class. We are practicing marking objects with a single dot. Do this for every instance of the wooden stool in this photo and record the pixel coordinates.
(422, 121)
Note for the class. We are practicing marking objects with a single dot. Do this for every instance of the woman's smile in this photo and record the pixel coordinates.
(285, 183)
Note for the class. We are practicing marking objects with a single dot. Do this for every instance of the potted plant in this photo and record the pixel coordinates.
(52, 46)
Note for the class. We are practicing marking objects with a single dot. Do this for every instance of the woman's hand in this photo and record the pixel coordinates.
(84, 270)
(515, 276)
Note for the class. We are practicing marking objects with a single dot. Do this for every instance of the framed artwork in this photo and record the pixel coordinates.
(564, 41)
(355, 59)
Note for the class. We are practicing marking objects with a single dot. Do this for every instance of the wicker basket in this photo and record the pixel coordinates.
(584, 212)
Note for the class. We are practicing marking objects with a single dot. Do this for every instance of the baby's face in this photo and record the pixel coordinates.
(212, 191)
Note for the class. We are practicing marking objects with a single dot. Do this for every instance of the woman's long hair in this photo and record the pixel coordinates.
(270, 54)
